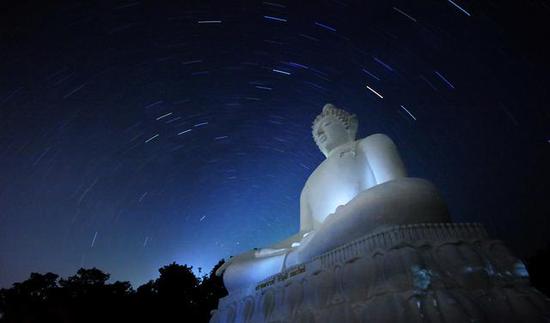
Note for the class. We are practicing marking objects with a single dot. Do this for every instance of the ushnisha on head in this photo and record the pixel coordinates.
(333, 127)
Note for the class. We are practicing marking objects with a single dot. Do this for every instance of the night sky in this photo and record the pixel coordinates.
(134, 134)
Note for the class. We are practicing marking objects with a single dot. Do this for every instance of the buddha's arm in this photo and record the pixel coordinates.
(383, 158)
(306, 220)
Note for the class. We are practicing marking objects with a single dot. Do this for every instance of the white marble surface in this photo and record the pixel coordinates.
(376, 246)
(349, 188)
(409, 273)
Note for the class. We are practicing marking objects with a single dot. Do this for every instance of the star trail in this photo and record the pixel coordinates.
(136, 134)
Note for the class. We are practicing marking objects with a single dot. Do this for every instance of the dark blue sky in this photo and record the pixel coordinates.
(136, 134)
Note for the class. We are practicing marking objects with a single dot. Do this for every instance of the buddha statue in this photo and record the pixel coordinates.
(360, 188)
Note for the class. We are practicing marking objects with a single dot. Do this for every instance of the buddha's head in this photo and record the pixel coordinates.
(333, 127)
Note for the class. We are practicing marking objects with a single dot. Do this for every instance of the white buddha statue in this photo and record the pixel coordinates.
(360, 188)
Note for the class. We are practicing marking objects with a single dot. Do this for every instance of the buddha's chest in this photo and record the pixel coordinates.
(336, 181)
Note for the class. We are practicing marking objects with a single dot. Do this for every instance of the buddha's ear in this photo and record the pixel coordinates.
(353, 125)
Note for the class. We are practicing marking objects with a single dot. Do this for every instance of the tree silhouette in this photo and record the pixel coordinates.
(86, 277)
(148, 290)
(177, 281)
(38, 286)
(176, 295)
(212, 289)
(27, 301)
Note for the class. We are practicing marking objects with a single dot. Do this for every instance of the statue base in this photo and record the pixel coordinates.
(448, 272)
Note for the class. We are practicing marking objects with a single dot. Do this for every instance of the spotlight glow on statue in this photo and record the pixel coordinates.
(359, 188)
(351, 167)
(376, 246)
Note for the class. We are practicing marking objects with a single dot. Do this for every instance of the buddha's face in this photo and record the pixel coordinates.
(331, 133)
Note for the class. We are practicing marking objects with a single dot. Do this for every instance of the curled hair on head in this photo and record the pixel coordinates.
(348, 120)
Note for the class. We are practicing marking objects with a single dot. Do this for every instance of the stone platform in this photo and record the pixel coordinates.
(448, 272)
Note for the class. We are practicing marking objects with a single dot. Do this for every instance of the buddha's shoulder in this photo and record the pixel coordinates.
(316, 172)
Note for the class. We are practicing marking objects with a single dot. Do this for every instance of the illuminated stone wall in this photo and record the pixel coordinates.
(411, 273)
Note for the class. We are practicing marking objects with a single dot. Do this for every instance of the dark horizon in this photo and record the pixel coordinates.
(135, 135)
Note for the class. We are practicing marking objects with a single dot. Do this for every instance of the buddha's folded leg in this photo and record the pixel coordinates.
(246, 270)
(397, 202)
